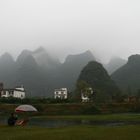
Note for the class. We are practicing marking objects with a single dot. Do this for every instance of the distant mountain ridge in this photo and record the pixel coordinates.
(40, 73)
(44, 59)
(114, 64)
(41, 57)
(128, 76)
(71, 68)
(88, 55)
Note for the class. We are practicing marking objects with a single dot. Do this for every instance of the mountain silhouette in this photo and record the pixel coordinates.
(97, 77)
(128, 76)
(41, 73)
(114, 64)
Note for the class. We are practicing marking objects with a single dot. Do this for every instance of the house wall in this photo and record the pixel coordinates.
(19, 94)
(84, 97)
(61, 93)
(5, 94)
(16, 93)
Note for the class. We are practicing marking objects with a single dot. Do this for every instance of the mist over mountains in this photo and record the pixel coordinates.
(40, 73)
(114, 64)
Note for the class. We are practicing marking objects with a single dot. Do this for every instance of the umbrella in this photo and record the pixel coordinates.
(25, 108)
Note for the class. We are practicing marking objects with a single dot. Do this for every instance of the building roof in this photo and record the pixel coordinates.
(61, 89)
(13, 90)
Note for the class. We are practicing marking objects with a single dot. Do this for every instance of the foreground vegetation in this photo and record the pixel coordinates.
(129, 132)
(76, 108)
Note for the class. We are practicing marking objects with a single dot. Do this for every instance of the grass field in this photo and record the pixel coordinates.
(81, 132)
(128, 132)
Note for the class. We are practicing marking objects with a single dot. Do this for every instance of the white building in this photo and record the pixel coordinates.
(61, 93)
(85, 95)
(15, 93)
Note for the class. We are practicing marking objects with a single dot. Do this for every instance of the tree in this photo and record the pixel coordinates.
(83, 89)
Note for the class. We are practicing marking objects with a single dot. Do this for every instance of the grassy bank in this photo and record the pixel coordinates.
(101, 117)
(76, 108)
(71, 133)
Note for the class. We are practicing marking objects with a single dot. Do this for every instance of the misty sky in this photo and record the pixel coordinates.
(106, 27)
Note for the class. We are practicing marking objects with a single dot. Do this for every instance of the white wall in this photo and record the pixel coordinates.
(19, 94)
(61, 93)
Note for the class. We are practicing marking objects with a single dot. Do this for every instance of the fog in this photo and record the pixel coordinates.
(106, 27)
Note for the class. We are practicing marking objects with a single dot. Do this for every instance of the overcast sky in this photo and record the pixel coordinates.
(106, 27)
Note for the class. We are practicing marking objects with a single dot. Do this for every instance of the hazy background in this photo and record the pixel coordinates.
(106, 27)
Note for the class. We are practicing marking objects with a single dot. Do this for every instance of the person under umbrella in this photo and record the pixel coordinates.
(12, 119)
(24, 108)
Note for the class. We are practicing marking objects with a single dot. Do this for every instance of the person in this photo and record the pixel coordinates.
(12, 119)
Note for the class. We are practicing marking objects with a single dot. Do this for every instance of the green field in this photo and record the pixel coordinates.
(129, 132)
(81, 132)
(127, 113)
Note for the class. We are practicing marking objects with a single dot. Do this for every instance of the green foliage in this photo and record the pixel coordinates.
(138, 93)
(12, 100)
(91, 109)
(82, 87)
